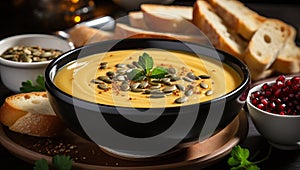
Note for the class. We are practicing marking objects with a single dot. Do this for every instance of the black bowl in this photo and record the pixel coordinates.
(99, 122)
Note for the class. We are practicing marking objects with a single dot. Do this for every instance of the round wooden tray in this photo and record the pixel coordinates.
(87, 155)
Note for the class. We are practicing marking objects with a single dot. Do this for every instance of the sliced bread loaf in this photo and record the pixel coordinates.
(169, 18)
(215, 29)
(136, 20)
(31, 114)
(82, 35)
(125, 31)
(288, 60)
(238, 17)
(265, 44)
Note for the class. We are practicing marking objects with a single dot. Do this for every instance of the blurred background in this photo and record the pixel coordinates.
(47, 16)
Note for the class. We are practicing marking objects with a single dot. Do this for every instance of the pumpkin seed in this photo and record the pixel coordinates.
(130, 66)
(204, 85)
(157, 96)
(110, 74)
(125, 87)
(188, 92)
(172, 70)
(143, 84)
(169, 89)
(180, 87)
(204, 76)
(102, 86)
(209, 92)
(135, 85)
(187, 79)
(120, 65)
(137, 90)
(182, 99)
(97, 81)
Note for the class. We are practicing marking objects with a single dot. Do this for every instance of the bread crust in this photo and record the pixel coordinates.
(163, 18)
(29, 120)
(212, 25)
(125, 31)
(264, 46)
(238, 17)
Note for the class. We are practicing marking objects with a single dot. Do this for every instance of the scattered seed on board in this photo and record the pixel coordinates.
(181, 99)
(130, 66)
(120, 65)
(110, 74)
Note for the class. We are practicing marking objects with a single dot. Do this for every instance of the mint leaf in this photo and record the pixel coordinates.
(146, 62)
(41, 164)
(29, 86)
(158, 72)
(62, 162)
(136, 75)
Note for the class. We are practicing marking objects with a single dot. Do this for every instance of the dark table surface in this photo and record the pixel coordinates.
(12, 24)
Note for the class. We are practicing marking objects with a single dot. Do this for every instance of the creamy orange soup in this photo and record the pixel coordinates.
(75, 78)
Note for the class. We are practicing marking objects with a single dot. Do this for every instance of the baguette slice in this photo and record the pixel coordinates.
(213, 26)
(169, 18)
(125, 31)
(265, 44)
(238, 17)
(288, 60)
(82, 35)
(31, 114)
(136, 20)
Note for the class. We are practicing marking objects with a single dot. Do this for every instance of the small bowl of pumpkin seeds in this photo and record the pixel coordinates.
(25, 57)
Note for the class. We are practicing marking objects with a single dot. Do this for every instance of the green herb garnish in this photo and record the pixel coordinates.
(29, 86)
(239, 159)
(59, 162)
(146, 71)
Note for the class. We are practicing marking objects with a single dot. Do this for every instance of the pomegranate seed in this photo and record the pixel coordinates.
(264, 102)
(261, 106)
(281, 97)
(281, 78)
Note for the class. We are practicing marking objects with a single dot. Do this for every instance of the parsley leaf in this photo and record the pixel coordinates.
(239, 159)
(159, 72)
(62, 162)
(146, 62)
(41, 164)
(29, 86)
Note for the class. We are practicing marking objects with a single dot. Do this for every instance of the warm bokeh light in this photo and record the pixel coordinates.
(74, 1)
(77, 19)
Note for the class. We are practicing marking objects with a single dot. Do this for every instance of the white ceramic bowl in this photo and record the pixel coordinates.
(281, 131)
(135, 4)
(14, 73)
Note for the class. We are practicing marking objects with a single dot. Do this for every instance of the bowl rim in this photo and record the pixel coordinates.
(257, 88)
(32, 64)
(52, 88)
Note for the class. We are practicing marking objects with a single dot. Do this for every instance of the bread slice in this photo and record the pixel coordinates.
(136, 20)
(169, 18)
(31, 114)
(255, 76)
(265, 44)
(125, 31)
(288, 60)
(81, 35)
(215, 29)
(238, 17)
